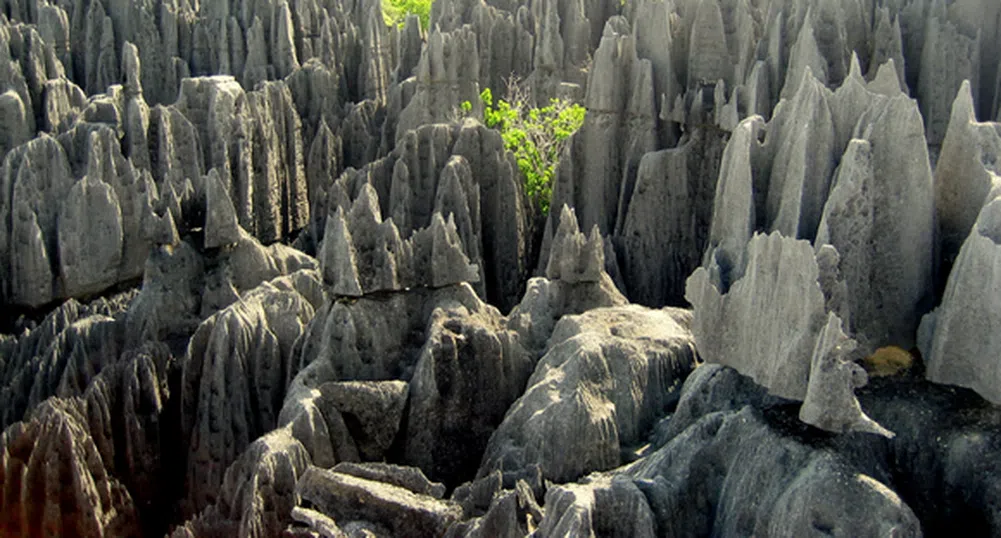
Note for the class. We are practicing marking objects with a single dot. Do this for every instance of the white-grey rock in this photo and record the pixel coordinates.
(963, 347)
(607, 375)
(767, 325)
(969, 154)
(573, 257)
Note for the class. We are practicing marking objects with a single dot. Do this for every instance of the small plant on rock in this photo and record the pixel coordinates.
(536, 135)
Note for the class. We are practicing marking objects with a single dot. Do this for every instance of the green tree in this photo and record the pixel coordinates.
(536, 135)
(395, 12)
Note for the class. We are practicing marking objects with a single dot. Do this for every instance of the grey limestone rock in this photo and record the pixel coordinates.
(361, 133)
(373, 412)
(830, 402)
(904, 223)
(90, 230)
(346, 498)
(161, 230)
(90, 237)
(887, 45)
(459, 171)
(221, 226)
(447, 74)
(55, 442)
(183, 286)
(504, 221)
(607, 506)
(969, 155)
(546, 301)
(607, 375)
(873, 242)
(950, 54)
(804, 56)
(254, 337)
(787, 475)
(61, 358)
(174, 147)
(594, 175)
(574, 257)
(258, 492)
(317, 425)
(962, 348)
(29, 240)
(653, 28)
(410, 478)
(378, 337)
(800, 176)
(125, 404)
(14, 114)
(511, 513)
(170, 298)
(365, 254)
(449, 263)
(665, 227)
(735, 207)
(337, 257)
(709, 58)
(778, 292)
(934, 427)
(470, 370)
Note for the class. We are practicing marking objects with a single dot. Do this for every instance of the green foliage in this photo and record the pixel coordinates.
(536, 136)
(395, 12)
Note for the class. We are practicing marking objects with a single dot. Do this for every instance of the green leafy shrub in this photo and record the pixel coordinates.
(535, 135)
(395, 12)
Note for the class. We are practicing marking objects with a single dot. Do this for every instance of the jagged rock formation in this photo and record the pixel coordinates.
(469, 372)
(621, 106)
(373, 412)
(961, 349)
(349, 502)
(577, 281)
(53, 444)
(325, 251)
(665, 227)
(461, 172)
(367, 255)
(62, 356)
(374, 339)
(669, 491)
(222, 412)
(772, 325)
(256, 495)
(963, 175)
(606, 376)
(112, 431)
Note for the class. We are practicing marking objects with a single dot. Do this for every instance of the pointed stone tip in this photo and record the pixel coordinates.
(367, 204)
(568, 221)
(886, 81)
(964, 101)
(855, 71)
(221, 225)
(337, 261)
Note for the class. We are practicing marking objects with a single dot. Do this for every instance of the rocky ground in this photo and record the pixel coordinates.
(259, 277)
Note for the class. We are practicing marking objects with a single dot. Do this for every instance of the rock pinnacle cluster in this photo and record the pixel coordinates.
(265, 273)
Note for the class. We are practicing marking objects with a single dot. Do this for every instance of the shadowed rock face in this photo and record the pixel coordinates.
(251, 343)
(264, 277)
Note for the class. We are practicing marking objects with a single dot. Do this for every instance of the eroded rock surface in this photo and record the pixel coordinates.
(263, 274)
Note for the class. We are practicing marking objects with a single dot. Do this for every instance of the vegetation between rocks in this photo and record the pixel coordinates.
(536, 135)
(395, 12)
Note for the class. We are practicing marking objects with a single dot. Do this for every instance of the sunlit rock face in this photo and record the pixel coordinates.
(266, 271)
